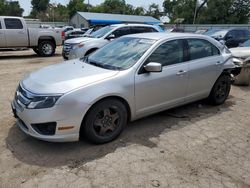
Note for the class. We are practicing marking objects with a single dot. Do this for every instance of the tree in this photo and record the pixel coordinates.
(10, 8)
(153, 10)
(39, 7)
(180, 9)
(227, 11)
(58, 13)
(139, 11)
(208, 11)
(76, 5)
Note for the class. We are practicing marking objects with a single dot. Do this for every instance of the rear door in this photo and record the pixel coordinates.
(2, 36)
(204, 64)
(15, 32)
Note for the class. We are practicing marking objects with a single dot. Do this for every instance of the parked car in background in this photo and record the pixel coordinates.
(68, 28)
(84, 29)
(74, 34)
(243, 51)
(130, 78)
(14, 33)
(201, 31)
(231, 37)
(80, 47)
(46, 27)
(210, 32)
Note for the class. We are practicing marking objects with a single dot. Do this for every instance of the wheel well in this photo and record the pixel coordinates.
(48, 38)
(90, 51)
(226, 72)
(110, 97)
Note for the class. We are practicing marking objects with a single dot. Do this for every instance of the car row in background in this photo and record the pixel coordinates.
(80, 47)
(242, 51)
(230, 37)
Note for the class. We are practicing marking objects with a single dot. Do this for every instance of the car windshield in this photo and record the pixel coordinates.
(120, 54)
(246, 44)
(101, 32)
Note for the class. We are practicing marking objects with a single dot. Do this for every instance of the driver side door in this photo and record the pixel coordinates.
(158, 91)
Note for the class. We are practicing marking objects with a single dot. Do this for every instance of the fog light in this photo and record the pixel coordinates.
(45, 128)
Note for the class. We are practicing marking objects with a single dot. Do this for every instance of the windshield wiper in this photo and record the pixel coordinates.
(97, 64)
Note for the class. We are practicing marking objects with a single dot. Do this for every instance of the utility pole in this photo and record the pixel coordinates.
(195, 11)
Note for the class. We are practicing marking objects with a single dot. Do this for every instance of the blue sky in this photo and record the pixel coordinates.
(25, 4)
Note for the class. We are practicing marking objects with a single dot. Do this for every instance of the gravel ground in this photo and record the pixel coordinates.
(196, 145)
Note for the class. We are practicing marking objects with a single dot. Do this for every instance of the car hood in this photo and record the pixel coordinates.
(80, 39)
(64, 77)
(241, 52)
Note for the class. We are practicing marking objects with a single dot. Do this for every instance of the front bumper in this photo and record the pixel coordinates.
(59, 114)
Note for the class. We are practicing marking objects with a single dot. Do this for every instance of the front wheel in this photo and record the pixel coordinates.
(220, 90)
(104, 121)
(46, 48)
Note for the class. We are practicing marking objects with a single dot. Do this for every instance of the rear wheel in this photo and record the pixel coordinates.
(104, 121)
(46, 48)
(220, 90)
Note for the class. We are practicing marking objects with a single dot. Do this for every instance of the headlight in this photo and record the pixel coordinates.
(78, 46)
(43, 102)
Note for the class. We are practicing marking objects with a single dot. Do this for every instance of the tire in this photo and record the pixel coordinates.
(36, 51)
(220, 90)
(104, 121)
(46, 48)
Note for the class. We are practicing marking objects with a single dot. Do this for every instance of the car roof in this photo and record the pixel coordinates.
(131, 24)
(166, 35)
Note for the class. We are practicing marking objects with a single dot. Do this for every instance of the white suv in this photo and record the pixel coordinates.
(83, 46)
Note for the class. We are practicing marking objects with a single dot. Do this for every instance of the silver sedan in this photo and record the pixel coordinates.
(130, 78)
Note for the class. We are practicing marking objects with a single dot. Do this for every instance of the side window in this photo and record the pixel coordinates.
(151, 29)
(246, 34)
(169, 53)
(122, 31)
(0, 25)
(13, 23)
(142, 30)
(199, 48)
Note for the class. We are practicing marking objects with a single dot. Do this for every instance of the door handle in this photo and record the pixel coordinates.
(181, 72)
(21, 32)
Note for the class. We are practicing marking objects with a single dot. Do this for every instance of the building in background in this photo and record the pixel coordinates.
(87, 19)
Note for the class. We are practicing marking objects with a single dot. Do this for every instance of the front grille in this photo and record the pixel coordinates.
(68, 47)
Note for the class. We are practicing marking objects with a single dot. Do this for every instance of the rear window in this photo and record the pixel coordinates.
(199, 48)
(13, 23)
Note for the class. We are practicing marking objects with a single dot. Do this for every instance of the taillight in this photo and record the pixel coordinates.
(63, 35)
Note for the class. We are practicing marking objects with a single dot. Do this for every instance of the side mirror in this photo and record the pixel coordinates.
(111, 36)
(153, 67)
